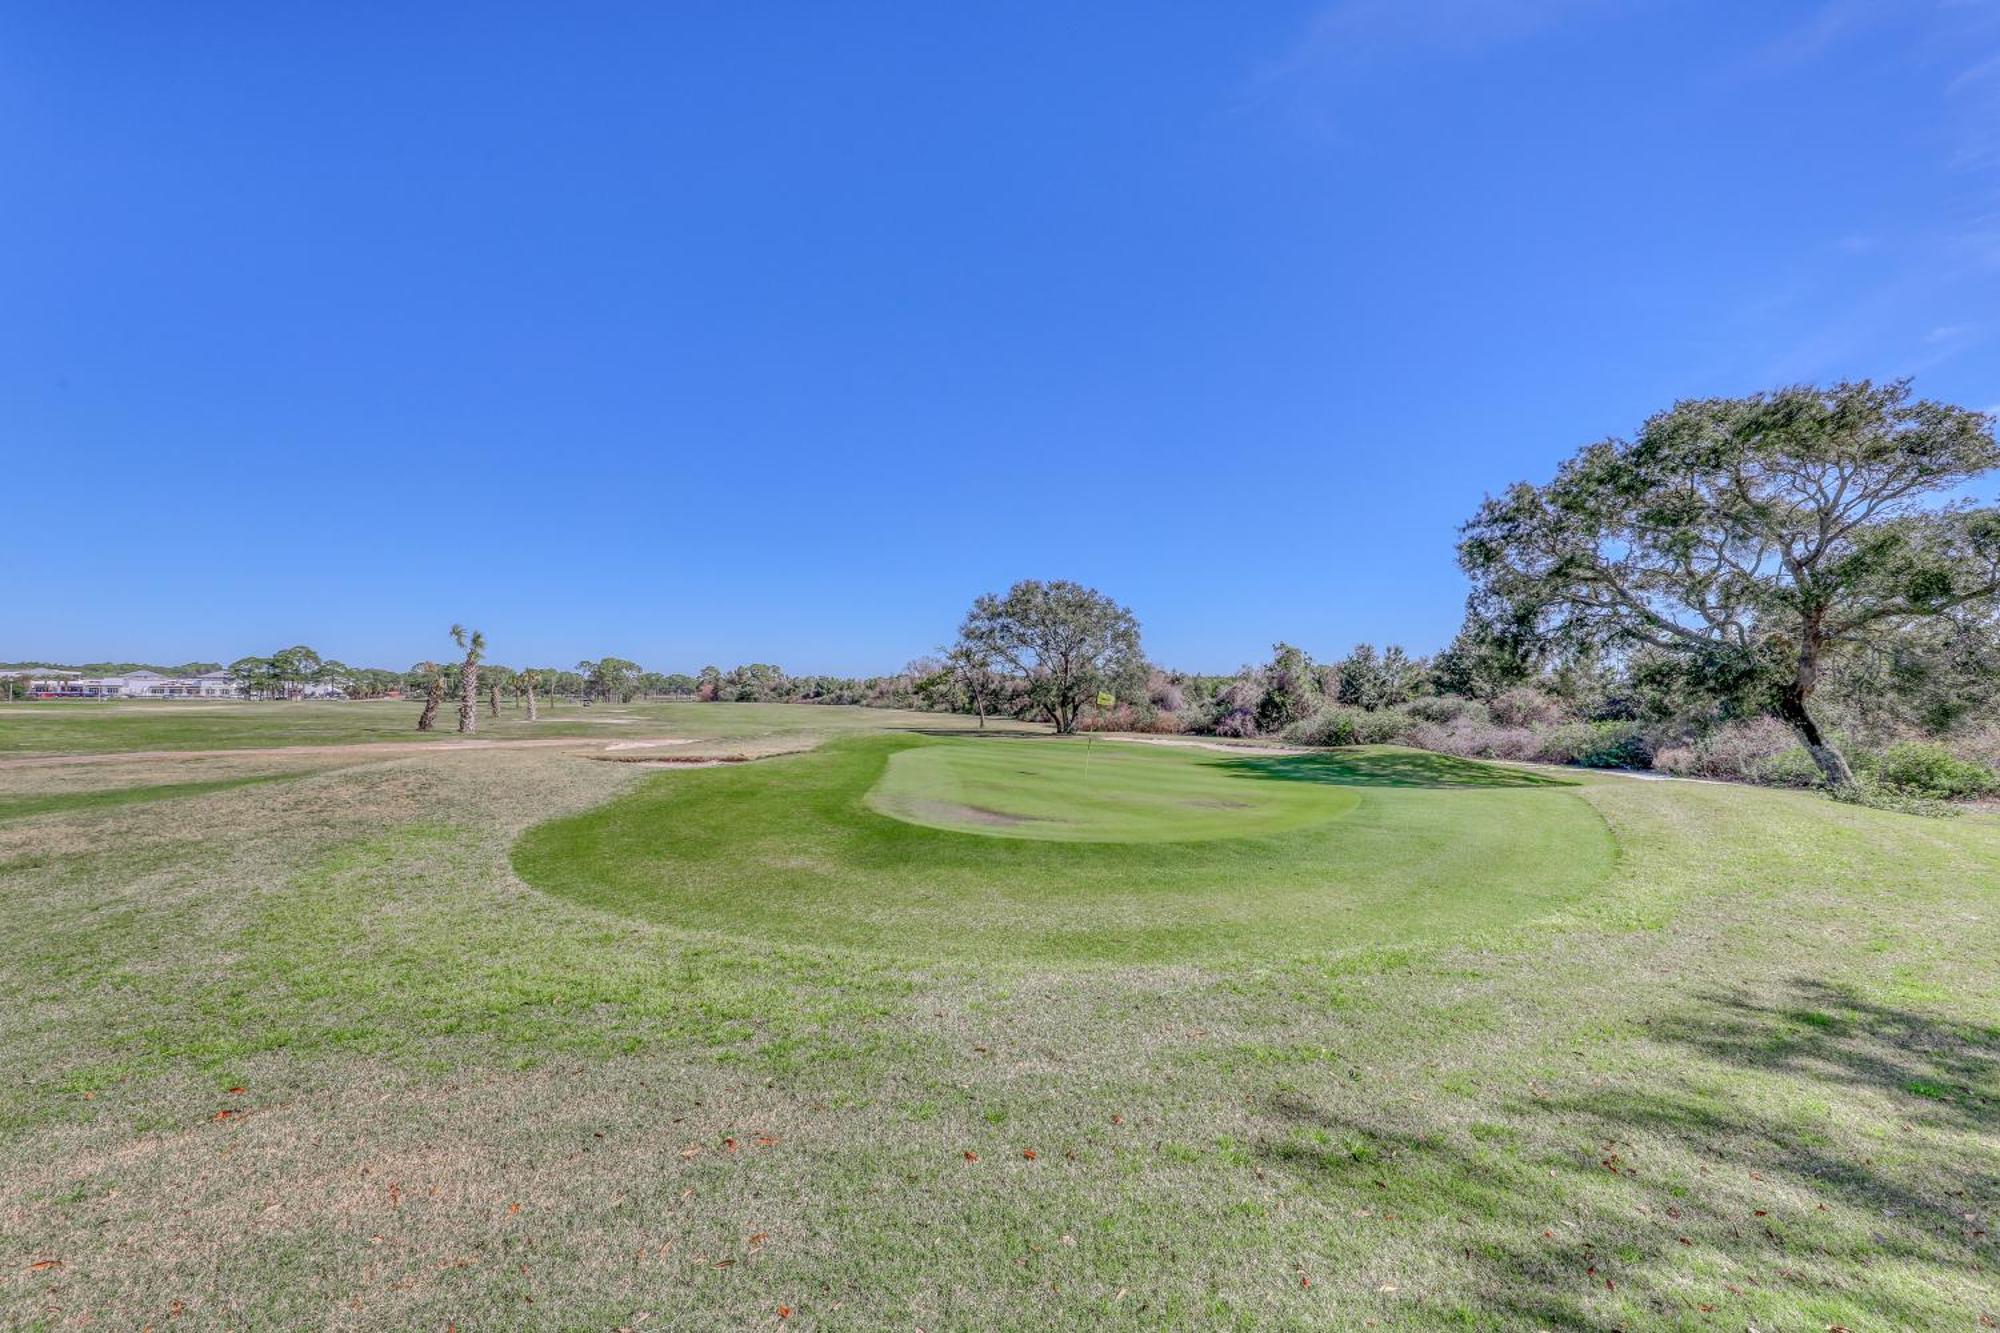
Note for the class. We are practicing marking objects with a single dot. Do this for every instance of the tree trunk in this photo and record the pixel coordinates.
(1832, 763)
(468, 698)
(532, 715)
(433, 700)
(493, 700)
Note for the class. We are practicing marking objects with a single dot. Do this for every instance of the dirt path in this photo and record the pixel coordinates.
(363, 749)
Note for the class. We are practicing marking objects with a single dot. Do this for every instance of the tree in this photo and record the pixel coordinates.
(1759, 539)
(433, 678)
(474, 645)
(1065, 641)
(525, 683)
(976, 672)
(708, 685)
(616, 678)
(294, 668)
(1291, 689)
(256, 675)
(1483, 661)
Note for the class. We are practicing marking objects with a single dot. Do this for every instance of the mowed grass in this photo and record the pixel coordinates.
(1368, 848)
(1080, 791)
(52, 727)
(1748, 1078)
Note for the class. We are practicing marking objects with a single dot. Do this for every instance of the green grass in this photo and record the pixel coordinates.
(1370, 848)
(1748, 1076)
(88, 727)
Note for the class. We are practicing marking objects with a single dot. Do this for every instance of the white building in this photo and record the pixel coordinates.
(135, 685)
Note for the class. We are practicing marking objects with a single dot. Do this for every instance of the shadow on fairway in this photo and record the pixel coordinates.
(1683, 1193)
(1386, 768)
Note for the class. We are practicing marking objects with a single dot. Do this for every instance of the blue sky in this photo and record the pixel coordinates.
(698, 333)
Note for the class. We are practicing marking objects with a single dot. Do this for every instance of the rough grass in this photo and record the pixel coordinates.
(1371, 848)
(1751, 1080)
(72, 726)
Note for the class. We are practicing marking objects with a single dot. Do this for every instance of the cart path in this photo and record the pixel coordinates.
(362, 748)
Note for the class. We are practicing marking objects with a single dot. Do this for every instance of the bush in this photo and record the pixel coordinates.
(1470, 738)
(1598, 745)
(1878, 797)
(1329, 726)
(1444, 708)
(1760, 749)
(1981, 746)
(1926, 769)
(1240, 723)
(1125, 717)
(1524, 707)
(1341, 725)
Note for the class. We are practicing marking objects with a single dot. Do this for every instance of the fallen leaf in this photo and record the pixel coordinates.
(729, 1145)
(725, 1263)
(43, 1265)
(784, 1312)
(513, 1209)
(238, 1092)
(1028, 1153)
(226, 1113)
(757, 1238)
(1117, 1119)
(971, 1156)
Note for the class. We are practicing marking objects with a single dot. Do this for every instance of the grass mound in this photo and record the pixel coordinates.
(1002, 848)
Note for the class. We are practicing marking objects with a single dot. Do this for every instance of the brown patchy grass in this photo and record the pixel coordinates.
(1759, 1073)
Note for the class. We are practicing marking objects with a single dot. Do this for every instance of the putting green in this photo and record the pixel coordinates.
(1082, 791)
(1002, 848)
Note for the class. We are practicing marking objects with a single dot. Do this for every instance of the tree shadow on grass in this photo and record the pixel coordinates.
(1812, 1152)
(1386, 768)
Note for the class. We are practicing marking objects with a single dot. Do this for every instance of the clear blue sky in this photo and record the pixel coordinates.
(715, 333)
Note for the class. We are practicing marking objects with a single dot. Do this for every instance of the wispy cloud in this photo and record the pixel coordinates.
(1824, 29)
(1350, 34)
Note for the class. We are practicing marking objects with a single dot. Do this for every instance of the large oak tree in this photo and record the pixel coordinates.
(1756, 538)
(1064, 641)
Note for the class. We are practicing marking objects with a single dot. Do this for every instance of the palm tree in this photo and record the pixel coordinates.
(433, 695)
(474, 644)
(527, 680)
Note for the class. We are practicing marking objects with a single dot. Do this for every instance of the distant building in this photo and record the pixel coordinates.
(134, 685)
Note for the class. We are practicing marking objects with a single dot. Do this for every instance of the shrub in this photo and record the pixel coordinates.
(1471, 738)
(1340, 725)
(1523, 707)
(1981, 746)
(1926, 769)
(1445, 708)
(1760, 749)
(1238, 722)
(1878, 797)
(1126, 717)
(1598, 745)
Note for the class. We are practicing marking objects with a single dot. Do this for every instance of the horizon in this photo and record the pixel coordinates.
(707, 337)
